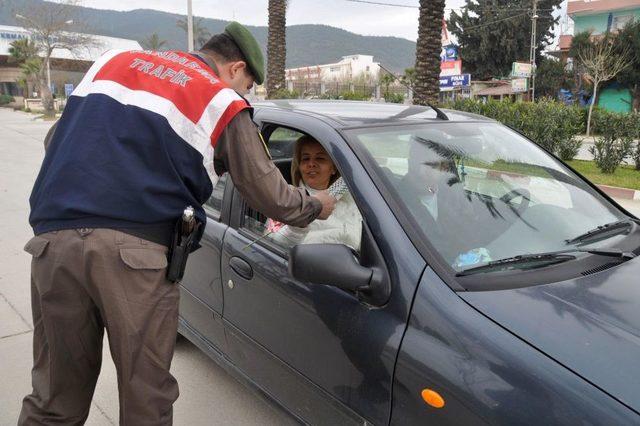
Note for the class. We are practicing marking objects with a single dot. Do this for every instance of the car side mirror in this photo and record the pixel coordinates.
(329, 264)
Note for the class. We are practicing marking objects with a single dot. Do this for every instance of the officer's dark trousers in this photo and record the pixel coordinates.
(82, 282)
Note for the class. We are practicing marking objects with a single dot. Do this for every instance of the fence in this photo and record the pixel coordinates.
(341, 90)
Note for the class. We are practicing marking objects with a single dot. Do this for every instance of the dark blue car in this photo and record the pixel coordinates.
(492, 283)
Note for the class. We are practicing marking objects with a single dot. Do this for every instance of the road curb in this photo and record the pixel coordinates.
(623, 193)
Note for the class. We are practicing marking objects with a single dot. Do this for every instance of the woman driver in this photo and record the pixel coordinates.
(313, 169)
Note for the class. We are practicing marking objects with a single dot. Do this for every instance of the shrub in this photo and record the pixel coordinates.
(354, 96)
(550, 124)
(285, 94)
(636, 156)
(615, 142)
(6, 99)
(329, 95)
(636, 153)
(396, 98)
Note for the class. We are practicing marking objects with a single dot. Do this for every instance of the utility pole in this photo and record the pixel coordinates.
(189, 26)
(532, 54)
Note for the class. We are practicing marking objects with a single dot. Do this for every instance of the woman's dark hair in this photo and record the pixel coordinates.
(223, 46)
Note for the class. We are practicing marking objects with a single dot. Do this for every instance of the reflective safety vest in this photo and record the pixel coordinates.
(135, 143)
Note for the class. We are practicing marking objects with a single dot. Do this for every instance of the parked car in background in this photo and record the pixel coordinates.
(493, 284)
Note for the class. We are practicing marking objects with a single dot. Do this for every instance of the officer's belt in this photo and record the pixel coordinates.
(160, 234)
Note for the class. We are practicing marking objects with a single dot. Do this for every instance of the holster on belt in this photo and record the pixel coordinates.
(183, 237)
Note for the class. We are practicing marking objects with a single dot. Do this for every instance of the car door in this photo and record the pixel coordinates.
(324, 354)
(201, 295)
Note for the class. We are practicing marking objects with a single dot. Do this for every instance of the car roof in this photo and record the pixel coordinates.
(356, 113)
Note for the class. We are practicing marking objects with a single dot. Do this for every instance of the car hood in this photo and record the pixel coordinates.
(590, 324)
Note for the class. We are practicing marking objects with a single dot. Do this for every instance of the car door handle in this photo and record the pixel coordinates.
(241, 267)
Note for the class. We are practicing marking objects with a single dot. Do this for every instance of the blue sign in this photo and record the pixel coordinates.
(452, 81)
(68, 89)
(12, 36)
(449, 53)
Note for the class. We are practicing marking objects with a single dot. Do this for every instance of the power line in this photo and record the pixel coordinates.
(408, 6)
(383, 4)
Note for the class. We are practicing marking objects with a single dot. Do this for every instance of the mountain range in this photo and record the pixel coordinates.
(306, 44)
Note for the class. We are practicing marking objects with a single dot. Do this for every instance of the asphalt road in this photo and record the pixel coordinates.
(208, 395)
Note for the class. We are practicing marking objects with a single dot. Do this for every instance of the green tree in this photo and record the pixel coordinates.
(55, 26)
(153, 42)
(21, 50)
(24, 53)
(30, 72)
(629, 40)
(200, 33)
(427, 84)
(387, 80)
(276, 47)
(409, 77)
(602, 63)
(551, 76)
(492, 34)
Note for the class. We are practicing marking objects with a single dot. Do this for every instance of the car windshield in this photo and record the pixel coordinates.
(480, 192)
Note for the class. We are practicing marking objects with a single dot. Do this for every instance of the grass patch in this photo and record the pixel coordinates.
(624, 176)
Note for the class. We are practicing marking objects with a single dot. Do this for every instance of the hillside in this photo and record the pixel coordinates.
(306, 44)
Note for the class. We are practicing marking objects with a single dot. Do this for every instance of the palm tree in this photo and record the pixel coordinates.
(153, 42)
(276, 47)
(387, 80)
(21, 50)
(200, 33)
(31, 70)
(409, 77)
(428, 47)
(24, 53)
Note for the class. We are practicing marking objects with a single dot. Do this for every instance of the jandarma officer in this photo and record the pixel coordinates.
(143, 135)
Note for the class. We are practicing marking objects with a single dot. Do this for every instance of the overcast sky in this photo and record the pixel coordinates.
(360, 18)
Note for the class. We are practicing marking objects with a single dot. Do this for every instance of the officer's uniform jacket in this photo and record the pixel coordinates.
(126, 150)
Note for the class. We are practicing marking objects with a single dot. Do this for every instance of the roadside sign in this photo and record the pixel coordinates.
(519, 85)
(450, 68)
(451, 81)
(521, 69)
(449, 53)
(68, 89)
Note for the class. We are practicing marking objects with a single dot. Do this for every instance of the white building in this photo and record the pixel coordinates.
(66, 66)
(348, 69)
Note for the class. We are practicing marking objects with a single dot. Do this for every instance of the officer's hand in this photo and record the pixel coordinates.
(328, 204)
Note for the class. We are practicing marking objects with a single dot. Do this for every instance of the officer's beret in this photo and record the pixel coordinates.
(249, 47)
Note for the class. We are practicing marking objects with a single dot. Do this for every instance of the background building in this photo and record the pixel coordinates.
(600, 17)
(348, 69)
(66, 67)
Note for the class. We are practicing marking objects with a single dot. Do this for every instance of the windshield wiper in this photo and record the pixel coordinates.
(542, 259)
(602, 230)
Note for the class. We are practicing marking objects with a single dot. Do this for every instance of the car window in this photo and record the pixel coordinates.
(481, 192)
(281, 142)
(343, 227)
(214, 204)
